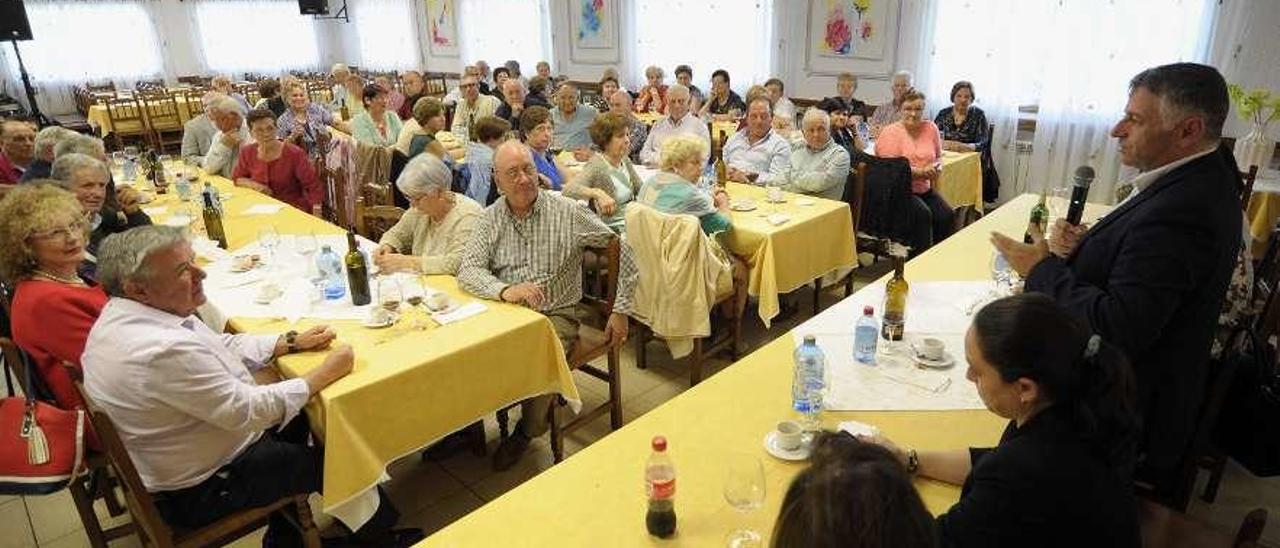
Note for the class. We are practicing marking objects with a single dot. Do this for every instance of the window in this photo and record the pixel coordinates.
(125, 46)
(387, 34)
(499, 30)
(734, 35)
(256, 36)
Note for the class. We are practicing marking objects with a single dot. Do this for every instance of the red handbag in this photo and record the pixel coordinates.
(42, 447)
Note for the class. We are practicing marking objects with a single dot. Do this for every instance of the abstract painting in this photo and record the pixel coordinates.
(594, 21)
(442, 27)
(849, 28)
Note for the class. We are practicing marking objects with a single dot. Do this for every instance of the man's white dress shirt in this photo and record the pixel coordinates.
(770, 157)
(664, 128)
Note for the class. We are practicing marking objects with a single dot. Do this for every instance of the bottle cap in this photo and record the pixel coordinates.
(868, 310)
(810, 339)
(659, 443)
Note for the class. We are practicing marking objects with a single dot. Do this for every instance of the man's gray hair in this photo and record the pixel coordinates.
(815, 114)
(223, 104)
(423, 174)
(80, 144)
(122, 257)
(1187, 89)
(903, 74)
(50, 137)
(67, 165)
(678, 89)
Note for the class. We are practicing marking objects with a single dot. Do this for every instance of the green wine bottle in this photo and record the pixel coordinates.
(357, 272)
(213, 222)
(1039, 218)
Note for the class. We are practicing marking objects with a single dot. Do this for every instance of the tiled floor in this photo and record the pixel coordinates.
(431, 495)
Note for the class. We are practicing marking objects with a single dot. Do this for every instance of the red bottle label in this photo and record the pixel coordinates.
(661, 489)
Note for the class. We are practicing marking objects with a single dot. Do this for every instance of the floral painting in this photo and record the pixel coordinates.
(442, 26)
(594, 22)
(849, 28)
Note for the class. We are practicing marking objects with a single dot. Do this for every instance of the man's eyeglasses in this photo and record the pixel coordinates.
(528, 170)
(65, 233)
(464, 86)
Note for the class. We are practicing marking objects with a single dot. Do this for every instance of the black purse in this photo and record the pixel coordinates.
(1248, 426)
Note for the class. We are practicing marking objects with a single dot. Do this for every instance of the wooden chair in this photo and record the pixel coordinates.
(589, 348)
(155, 532)
(1162, 527)
(194, 99)
(319, 92)
(164, 120)
(127, 121)
(103, 87)
(586, 89)
(1247, 179)
(195, 80)
(435, 85)
(374, 221)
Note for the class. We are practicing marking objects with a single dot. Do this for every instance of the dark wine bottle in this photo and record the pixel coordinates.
(357, 272)
(213, 222)
(1039, 218)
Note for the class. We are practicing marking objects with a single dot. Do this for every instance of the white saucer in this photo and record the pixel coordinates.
(946, 361)
(368, 322)
(742, 205)
(805, 202)
(771, 445)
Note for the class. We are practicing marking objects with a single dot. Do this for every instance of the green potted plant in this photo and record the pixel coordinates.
(1258, 106)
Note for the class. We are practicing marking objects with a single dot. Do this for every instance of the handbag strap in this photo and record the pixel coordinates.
(26, 372)
(8, 379)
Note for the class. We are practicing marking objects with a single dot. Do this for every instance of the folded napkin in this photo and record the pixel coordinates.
(208, 249)
(460, 313)
(856, 428)
(776, 219)
(918, 378)
(262, 209)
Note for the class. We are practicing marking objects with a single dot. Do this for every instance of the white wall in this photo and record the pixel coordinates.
(1246, 50)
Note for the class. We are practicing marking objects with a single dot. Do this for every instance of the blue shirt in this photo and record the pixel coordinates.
(570, 132)
(547, 166)
(479, 172)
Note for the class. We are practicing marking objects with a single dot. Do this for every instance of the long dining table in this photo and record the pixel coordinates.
(412, 384)
(596, 497)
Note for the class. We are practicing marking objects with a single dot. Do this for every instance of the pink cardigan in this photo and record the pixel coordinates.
(922, 151)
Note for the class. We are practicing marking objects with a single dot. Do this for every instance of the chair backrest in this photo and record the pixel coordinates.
(434, 85)
(194, 80)
(374, 221)
(125, 114)
(141, 506)
(886, 204)
(108, 86)
(855, 190)
(612, 255)
(319, 92)
(586, 89)
(1247, 179)
(162, 110)
(193, 99)
(1266, 276)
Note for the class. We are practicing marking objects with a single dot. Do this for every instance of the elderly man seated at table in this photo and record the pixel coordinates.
(377, 124)
(430, 236)
(17, 149)
(232, 134)
(43, 234)
(198, 132)
(846, 85)
(207, 440)
(620, 104)
(678, 121)
(570, 119)
(723, 103)
(891, 112)
(276, 168)
(674, 189)
(684, 77)
(472, 105)
(88, 178)
(918, 140)
(338, 74)
(490, 132)
(608, 181)
(653, 96)
(514, 101)
(527, 249)
(305, 123)
(45, 142)
(222, 84)
(759, 155)
(820, 167)
(963, 126)
(784, 111)
(415, 88)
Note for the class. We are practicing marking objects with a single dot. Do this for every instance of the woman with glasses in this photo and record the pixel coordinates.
(917, 139)
(43, 235)
(536, 128)
(431, 235)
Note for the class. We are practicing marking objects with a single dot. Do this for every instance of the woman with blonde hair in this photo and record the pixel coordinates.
(674, 189)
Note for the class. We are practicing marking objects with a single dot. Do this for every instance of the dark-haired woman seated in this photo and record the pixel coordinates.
(1062, 472)
(852, 495)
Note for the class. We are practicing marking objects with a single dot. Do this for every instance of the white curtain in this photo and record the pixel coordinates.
(64, 50)
(267, 36)
(388, 35)
(1072, 59)
(499, 30)
(734, 35)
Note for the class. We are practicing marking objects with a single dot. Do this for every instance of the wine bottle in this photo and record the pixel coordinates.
(357, 272)
(893, 324)
(722, 173)
(213, 222)
(1039, 218)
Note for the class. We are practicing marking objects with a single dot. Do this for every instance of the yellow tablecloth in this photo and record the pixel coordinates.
(961, 181)
(1263, 212)
(409, 387)
(98, 117)
(596, 497)
(817, 239)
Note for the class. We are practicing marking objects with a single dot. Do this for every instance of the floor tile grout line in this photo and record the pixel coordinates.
(31, 525)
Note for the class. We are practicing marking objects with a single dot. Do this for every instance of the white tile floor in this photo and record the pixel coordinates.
(432, 495)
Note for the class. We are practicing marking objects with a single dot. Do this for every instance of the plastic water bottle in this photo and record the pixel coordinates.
(809, 380)
(330, 267)
(708, 179)
(660, 489)
(183, 186)
(130, 170)
(865, 333)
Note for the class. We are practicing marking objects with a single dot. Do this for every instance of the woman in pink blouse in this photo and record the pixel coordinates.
(917, 139)
(277, 168)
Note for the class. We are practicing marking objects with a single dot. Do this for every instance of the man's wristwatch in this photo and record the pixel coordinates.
(291, 340)
(913, 461)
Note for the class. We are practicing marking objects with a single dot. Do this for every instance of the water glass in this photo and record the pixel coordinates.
(390, 293)
(269, 238)
(744, 490)
(305, 244)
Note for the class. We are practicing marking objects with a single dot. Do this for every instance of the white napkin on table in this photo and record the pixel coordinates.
(262, 209)
(460, 313)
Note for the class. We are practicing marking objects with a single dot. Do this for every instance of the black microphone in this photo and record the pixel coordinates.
(1079, 193)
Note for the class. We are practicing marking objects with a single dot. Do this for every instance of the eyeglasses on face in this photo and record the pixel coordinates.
(75, 229)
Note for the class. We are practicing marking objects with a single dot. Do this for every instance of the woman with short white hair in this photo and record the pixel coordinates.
(89, 180)
(673, 190)
(431, 235)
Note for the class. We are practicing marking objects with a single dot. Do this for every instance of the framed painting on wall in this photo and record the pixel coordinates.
(442, 27)
(593, 25)
(858, 36)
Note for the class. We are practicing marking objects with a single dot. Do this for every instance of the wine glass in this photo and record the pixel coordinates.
(744, 489)
(305, 244)
(269, 238)
(389, 294)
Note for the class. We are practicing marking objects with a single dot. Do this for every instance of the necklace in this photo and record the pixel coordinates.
(60, 279)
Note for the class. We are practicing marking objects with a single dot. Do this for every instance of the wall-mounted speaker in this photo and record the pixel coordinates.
(13, 21)
(309, 7)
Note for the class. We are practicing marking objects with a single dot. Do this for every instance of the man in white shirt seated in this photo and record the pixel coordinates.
(678, 121)
(206, 439)
(758, 155)
(224, 151)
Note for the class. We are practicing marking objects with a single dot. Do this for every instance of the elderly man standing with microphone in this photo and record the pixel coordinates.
(1151, 275)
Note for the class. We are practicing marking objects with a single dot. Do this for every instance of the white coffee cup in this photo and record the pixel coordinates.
(438, 301)
(930, 348)
(788, 434)
(379, 315)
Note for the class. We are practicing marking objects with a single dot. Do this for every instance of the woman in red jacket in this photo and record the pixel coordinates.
(277, 168)
(43, 234)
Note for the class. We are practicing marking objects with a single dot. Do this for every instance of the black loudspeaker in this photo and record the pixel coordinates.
(13, 21)
(309, 7)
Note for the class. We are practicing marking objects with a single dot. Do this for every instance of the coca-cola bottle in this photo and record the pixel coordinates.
(660, 487)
